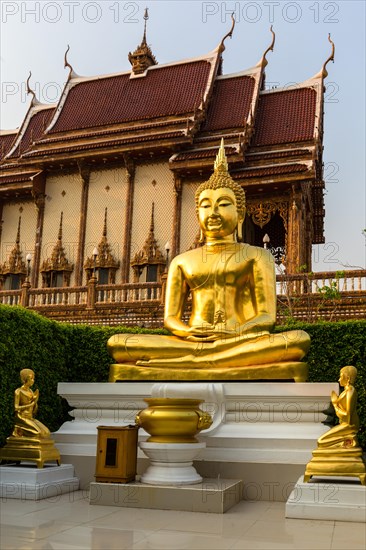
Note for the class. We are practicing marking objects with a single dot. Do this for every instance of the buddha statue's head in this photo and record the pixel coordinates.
(218, 189)
(347, 375)
(27, 375)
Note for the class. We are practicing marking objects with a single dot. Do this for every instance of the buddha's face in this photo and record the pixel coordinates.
(28, 380)
(343, 378)
(217, 212)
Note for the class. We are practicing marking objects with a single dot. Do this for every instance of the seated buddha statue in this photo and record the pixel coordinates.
(26, 405)
(233, 293)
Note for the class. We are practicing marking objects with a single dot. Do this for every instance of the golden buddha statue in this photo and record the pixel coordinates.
(233, 290)
(26, 406)
(30, 440)
(338, 452)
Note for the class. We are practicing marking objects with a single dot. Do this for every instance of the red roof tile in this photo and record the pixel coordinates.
(285, 117)
(201, 154)
(6, 141)
(34, 130)
(164, 91)
(270, 171)
(230, 104)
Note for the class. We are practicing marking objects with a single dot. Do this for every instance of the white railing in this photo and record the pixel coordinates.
(10, 297)
(43, 297)
(312, 283)
(128, 292)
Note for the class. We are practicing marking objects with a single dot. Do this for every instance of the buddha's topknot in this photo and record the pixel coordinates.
(221, 178)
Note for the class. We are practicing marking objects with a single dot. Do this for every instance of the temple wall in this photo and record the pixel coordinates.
(189, 227)
(10, 216)
(153, 183)
(63, 194)
(107, 189)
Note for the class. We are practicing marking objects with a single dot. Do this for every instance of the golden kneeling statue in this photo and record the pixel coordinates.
(233, 290)
(338, 452)
(30, 440)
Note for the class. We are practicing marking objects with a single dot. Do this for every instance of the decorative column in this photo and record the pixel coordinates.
(1, 221)
(39, 201)
(130, 167)
(177, 215)
(293, 261)
(84, 172)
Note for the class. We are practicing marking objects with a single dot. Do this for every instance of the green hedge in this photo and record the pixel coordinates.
(77, 353)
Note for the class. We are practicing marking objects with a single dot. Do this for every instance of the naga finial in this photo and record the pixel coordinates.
(30, 91)
(72, 73)
(330, 58)
(229, 34)
(271, 46)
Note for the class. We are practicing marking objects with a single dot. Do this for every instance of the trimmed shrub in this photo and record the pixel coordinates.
(60, 352)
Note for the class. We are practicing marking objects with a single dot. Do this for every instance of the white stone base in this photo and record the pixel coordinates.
(214, 496)
(262, 433)
(328, 498)
(27, 482)
(171, 463)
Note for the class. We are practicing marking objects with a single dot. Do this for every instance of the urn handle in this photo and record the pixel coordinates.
(204, 420)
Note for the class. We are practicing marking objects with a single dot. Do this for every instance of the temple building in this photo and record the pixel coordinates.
(101, 185)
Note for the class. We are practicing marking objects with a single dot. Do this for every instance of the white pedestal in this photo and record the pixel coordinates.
(327, 498)
(171, 463)
(27, 482)
(262, 433)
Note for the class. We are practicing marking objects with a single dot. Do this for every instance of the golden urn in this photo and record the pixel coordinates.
(170, 420)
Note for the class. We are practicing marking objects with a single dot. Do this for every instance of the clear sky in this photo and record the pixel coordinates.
(35, 34)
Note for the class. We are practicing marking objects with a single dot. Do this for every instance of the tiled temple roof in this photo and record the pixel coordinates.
(286, 116)
(231, 102)
(6, 141)
(32, 128)
(163, 91)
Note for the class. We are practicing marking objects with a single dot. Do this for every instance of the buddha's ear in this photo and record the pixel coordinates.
(239, 229)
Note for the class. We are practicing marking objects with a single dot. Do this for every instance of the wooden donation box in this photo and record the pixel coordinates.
(116, 454)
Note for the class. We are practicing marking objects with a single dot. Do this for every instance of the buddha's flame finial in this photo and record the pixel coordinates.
(221, 160)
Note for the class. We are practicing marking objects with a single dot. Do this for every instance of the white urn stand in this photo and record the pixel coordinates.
(171, 463)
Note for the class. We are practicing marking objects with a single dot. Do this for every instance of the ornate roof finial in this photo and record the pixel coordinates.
(15, 263)
(60, 228)
(17, 240)
(146, 17)
(105, 223)
(221, 160)
(32, 92)
(152, 222)
(142, 57)
(230, 33)
(72, 73)
(263, 61)
(330, 58)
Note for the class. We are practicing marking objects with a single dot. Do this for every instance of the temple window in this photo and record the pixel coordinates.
(103, 264)
(149, 264)
(56, 270)
(13, 272)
